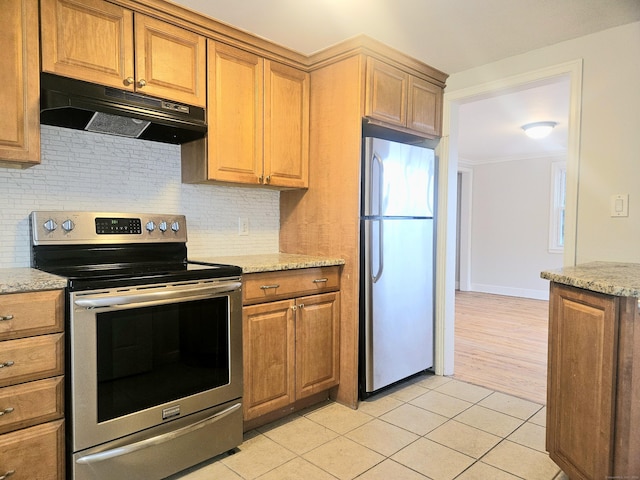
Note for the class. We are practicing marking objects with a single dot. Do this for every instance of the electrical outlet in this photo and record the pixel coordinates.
(243, 226)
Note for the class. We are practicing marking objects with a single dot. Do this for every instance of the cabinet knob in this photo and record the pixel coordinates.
(142, 82)
(128, 81)
(268, 179)
(4, 318)
(301, 305)
(6, 410)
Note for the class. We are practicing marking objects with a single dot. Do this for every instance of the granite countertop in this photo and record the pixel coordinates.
(272, 262)
(619, 279)
(17, 280)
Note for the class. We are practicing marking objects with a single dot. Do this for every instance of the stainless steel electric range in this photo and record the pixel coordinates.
(153, 344)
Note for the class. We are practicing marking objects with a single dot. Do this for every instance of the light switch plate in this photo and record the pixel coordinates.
(620, 205)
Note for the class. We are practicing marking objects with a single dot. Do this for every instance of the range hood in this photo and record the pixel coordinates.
(70, 103)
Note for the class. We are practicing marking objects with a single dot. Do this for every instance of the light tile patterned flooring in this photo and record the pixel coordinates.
(429, 427)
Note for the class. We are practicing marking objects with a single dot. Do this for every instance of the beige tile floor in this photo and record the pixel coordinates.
(429, 427)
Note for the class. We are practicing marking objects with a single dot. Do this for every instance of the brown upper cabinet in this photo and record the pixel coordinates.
(258, 121)
(20, 80)
(398, 98)
(102, 43)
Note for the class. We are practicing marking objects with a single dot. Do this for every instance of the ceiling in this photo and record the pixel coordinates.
(452, 36)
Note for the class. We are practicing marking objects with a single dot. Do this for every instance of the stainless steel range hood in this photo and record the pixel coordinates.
(71, 103)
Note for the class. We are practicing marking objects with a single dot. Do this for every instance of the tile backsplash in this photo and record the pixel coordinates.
(95, 172)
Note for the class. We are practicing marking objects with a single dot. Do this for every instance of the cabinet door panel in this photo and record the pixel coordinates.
(582, 359)
(90, 40)
(268, 355)
(34, 453)
(386, 90)
(425, 106)
(317, 337)
(171, 61)
(286, 126)
(32, 313)
(235, 114)
(20, 79)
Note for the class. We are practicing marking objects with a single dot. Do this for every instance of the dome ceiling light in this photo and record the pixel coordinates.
(538, 130)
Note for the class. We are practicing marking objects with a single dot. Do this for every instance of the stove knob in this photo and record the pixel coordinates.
(68, 225)
(175, 226)
(50, 225)
(150, 226)
(163, 226)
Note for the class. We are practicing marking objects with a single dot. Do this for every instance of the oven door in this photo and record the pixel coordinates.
(148, 355)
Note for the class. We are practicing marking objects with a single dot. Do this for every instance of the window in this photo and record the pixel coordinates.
(556, 217)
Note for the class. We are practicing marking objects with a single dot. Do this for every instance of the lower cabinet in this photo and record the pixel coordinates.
(32, 444)
(593, 398)
(291, 346)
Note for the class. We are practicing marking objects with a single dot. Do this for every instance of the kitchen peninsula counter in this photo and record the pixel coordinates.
(18, 280)
(273, 262)
(617, 279)
(593, 381)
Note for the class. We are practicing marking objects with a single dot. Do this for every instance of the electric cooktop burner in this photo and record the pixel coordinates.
(101, 250)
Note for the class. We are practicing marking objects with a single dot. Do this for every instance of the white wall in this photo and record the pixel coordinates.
(510, 227)
(88, 171)
(610, 139)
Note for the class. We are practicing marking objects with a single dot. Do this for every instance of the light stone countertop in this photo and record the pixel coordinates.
(18, 280)
(619, 279)
(272, 262)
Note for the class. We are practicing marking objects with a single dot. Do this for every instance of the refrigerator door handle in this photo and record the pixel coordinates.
(378, 160)
(375, 277)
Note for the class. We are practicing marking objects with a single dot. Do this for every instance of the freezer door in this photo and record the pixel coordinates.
(399, 179)
(398, 289)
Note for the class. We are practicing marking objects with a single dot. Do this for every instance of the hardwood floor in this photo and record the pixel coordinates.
(501, 343)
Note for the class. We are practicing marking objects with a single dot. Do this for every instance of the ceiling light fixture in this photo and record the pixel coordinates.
(538, 129)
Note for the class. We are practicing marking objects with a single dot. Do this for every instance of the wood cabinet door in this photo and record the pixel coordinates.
(90, 40)
(171, 62)
(317, 343)
(235, 115)
(268, 354)
(34, 453)
(286, 126)
(20, 80)
(386, 93)
(581, 381)
(425, 107)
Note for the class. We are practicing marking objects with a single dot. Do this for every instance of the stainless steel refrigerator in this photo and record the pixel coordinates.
(397, 262)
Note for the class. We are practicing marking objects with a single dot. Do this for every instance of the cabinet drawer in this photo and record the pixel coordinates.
(34, 453)
(269, 286)
(33, 313)
(31, 403)
(32, 358)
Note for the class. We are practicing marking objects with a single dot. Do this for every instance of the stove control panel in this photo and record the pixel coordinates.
(66, 227)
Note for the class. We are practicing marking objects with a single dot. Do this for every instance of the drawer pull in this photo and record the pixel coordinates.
(267, 287)
(7, 475)
(6, 364)
(321, 280)
(5, 317)
(6, 410)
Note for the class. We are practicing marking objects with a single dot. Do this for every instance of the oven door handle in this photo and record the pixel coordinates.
(155, 298)
(158, 439)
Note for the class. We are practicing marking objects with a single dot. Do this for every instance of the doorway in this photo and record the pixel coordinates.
(449, 157)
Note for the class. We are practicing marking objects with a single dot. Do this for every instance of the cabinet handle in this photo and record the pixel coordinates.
(6, 317)
(6, 410)
(8, 474)
(6, 364)
(267, 287)
(142, 82)
(268, 179)
(128, 81)
(321, 280)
